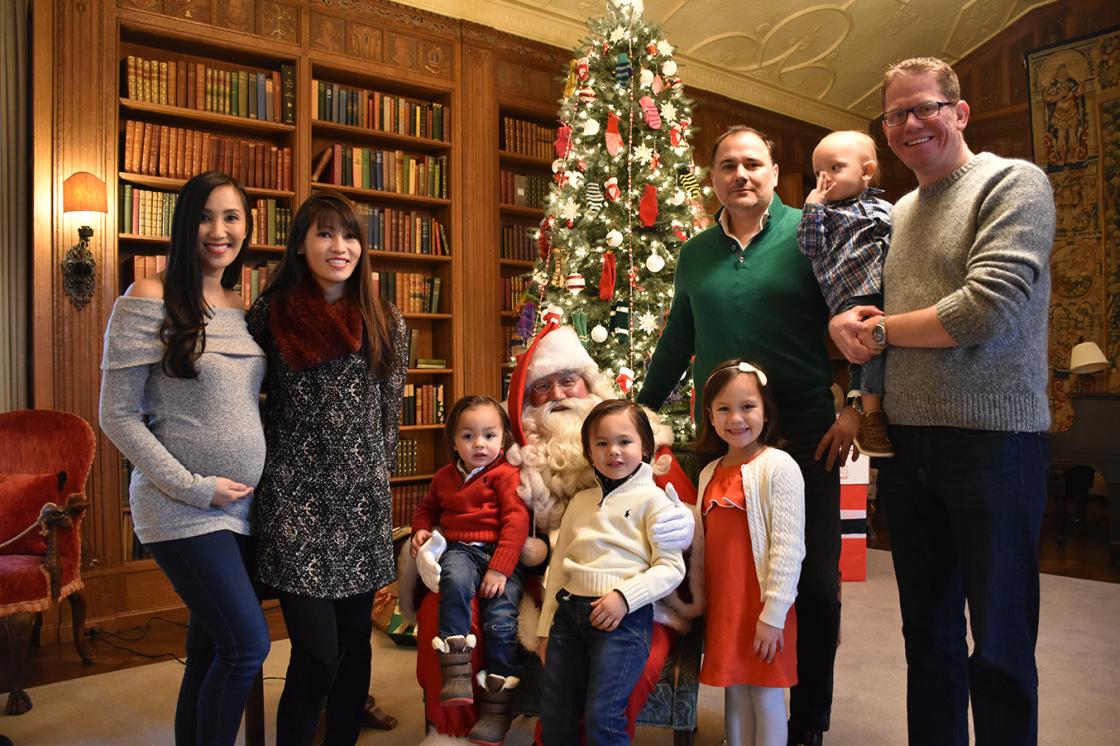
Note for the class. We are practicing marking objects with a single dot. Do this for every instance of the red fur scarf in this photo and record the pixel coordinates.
(309, 331)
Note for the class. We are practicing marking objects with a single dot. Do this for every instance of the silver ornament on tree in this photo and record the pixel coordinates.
(655, 263)
(599, 334)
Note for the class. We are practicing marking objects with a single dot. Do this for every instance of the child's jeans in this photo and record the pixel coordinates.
(590, 673)
(871, 374)
(461, 569)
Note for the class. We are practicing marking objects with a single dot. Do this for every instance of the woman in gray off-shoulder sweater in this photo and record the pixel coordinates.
(180, 385)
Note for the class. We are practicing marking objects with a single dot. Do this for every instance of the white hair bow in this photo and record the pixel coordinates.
(742, 368)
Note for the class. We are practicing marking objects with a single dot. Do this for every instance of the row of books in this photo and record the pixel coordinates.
(405, 499)
(268, 95)
(179, 153)
(411, 292)
(408, 453)
(254, 280)
(270, 223)
(404, 231)
(145, 212)
(386, 170)
(331, 102)
(527, 138)
(514, 290)
(527, 190)
(423, 404)
(518, 242)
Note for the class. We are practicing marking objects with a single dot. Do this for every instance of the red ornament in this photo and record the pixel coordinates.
(608, 277)
(610, 188)
(581, 68)
(563, 142)
(651, 48)
(625, 380)
(647, 208)
(613, 136)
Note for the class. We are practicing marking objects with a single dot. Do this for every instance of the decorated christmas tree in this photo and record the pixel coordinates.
(626, 196)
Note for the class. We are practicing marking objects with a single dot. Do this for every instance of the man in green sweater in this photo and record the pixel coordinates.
(966, 294)
(743, 289)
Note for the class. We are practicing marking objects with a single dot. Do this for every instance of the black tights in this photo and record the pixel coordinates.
(330, 661)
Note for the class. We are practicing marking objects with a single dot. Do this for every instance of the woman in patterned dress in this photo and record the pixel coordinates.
(337, 357)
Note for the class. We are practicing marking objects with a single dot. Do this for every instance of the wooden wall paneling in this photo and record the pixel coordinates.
(477, 300)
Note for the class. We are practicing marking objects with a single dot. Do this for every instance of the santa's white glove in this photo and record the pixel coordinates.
(674, 528)
(427, 560)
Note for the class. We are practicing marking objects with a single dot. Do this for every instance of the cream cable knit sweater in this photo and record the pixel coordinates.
(775, 500)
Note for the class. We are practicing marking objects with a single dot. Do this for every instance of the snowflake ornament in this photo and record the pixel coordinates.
(643, 153)
(669, 111)
(664, 48)
(647, 322)
(618, 35)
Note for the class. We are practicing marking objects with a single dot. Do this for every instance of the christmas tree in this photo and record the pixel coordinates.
(626, 196)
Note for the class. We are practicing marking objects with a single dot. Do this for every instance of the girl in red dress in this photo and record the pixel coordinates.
(753, 502)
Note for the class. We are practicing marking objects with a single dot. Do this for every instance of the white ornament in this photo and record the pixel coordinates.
(647, 322)
(645, 77)
(669, 67)
(599, 333)
(574, 178)
(643, 153)
(677, 199)
(557, 166)
(614, 238)
(669, 111)
(618, 35)
(569, 210)
(655, 263)
(665, 48)
(591, 127)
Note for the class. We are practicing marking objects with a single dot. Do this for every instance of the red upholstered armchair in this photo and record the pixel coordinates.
(45, 457)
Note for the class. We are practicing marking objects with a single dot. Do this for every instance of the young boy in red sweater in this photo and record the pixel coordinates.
(475, 503)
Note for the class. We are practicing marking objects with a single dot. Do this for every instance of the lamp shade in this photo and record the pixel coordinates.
(83, 192)
(1085, 358)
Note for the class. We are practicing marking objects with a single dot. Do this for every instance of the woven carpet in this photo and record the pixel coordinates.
(1078, 654)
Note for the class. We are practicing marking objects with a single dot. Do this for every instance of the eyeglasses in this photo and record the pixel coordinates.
(924, 110)
(544, 386)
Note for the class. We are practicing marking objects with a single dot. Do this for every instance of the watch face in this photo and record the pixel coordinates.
(879, 335)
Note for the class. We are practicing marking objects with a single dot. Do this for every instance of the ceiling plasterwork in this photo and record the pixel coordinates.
(817, 61)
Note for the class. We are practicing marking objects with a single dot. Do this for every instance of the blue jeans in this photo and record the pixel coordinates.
(227, 637)
(818, 590)
(461, 569)
(590, 673)
(964, 509)
(871, 374)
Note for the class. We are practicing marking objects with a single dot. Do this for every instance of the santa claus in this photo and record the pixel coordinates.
(553, 387)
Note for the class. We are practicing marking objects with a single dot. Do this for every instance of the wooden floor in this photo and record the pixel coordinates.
(1084, 555)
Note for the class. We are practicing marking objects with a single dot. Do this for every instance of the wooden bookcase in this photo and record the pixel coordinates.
(526, 130)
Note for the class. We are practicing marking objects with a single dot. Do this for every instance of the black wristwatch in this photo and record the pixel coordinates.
(879, 333)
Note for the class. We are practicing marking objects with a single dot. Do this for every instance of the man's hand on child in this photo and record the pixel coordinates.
(674, 527)
(542, 648)
(418, 538)
(767, 641)
(493, 584)
(820, 193)
(608, 611)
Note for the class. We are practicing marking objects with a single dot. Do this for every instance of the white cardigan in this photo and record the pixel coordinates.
(775, 499)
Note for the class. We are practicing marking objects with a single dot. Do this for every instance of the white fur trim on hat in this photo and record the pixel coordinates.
(558, 351)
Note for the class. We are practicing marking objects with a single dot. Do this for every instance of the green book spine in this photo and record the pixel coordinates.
(366, 182)
(243, 93)
(434, 307)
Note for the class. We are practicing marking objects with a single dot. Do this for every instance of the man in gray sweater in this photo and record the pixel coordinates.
(966, 297)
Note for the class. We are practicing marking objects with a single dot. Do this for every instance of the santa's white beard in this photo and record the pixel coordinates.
(553, 467)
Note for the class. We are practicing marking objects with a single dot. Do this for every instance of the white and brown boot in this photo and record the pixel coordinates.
(494, 710)
(455, 669)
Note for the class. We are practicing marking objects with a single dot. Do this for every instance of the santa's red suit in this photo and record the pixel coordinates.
(553, 470)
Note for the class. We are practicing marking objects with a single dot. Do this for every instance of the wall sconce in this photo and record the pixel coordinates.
(81, 192)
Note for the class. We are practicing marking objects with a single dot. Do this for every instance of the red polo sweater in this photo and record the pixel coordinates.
(484, 508)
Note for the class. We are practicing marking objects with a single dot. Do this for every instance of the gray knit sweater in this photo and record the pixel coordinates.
(179, 433)
(977, 245)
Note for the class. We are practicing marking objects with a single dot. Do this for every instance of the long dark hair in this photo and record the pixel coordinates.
(710, 446)
(331, 208)
(183, 330)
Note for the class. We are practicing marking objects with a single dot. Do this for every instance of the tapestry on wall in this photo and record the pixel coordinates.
(1075, 123)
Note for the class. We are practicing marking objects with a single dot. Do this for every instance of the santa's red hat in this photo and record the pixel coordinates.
(555, 349)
